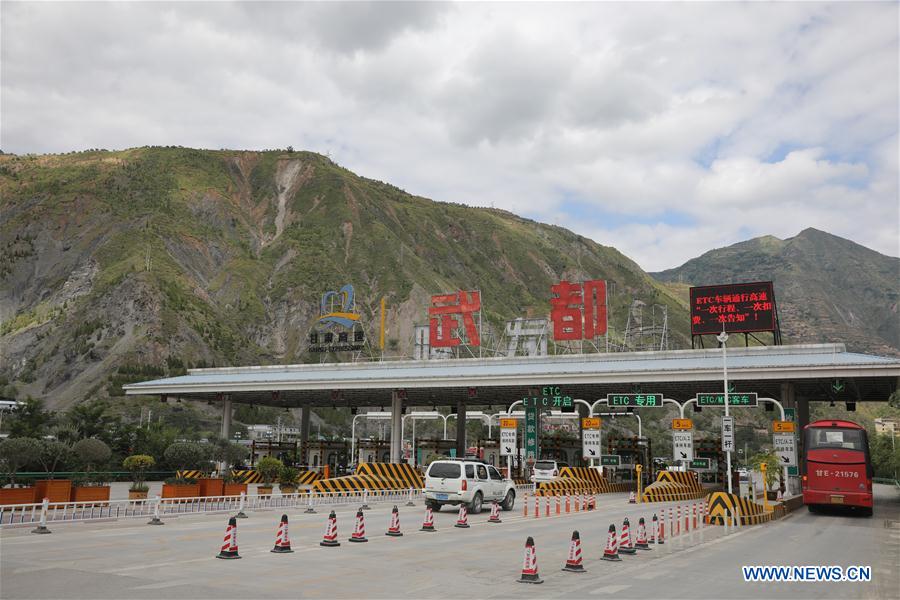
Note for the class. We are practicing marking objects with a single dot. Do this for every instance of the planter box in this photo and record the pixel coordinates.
(264, 491)
(211, 487)
(92, 493)
(55, 490)
(17, 495)
(173, 490)
(287, 490)
(234, 489)
(137, 495)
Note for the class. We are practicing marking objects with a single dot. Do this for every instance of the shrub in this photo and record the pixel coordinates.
(91, 452)
(187, 455)
(15, 453)
(138, 465)
(268, 469)
(288, 476)
(230, 453)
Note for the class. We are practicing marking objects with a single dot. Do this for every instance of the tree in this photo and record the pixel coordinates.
(30, 419)
(91, 452)
(230, 453)
(268, 469)
(138, 465)
(91, 419)
(773, 469)
(154, 440)
(186, 456)
(51, 453)
(16, 453)
(885, 456)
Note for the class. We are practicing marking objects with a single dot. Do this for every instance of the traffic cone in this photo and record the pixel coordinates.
(573, 562)
(525, 506)
(359, 532)
(330, 537)
(577, 502)
(558, 507)
(529, 567)
(631, 499)
(428, 525)
(537, 507)
(229, 543)
(546, 506)
(625, 546)
(611, 552)
(462, 521)
(394, 529)
(641, 542)
(495, 513)
(584, 502)
(568, 503)
(661, 538)
(677, 521)
(282, 541)
(694, 510)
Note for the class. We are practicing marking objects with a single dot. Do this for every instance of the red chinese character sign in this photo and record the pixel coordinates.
(578, 310)
(445, 313)
(739, 307)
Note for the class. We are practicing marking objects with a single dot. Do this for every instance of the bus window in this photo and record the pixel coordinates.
(848, 439)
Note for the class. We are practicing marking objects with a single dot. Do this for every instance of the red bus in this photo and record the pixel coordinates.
(836, 466)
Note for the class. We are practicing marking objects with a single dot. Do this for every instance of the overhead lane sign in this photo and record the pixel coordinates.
(640, 400)
(735, 399)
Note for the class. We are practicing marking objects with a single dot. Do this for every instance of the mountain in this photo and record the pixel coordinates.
(122, 266)
(827, 288)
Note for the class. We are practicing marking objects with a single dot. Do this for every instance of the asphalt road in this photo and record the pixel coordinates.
(134, 560)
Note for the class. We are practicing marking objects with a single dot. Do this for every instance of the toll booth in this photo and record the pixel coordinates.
(634, 451)
(286, 452)
(711, 449)
(334, 453)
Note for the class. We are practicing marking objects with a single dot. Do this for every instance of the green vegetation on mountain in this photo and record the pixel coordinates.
(827, 288)
(122, 266)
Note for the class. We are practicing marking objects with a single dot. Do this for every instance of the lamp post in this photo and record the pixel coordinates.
(370, 415)
(723, 339)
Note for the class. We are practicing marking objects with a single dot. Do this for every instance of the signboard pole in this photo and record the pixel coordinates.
(723, 338)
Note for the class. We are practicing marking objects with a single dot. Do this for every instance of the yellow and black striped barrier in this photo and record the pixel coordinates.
(357, 483)
(586, 474)
(309, 477)
(189, 474)
(246, 476)
(558, 487)
(395, 471)
(723, 507)
(685, 478)
(667, 491)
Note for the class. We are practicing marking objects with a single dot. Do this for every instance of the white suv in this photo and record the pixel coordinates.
(466, 481)
(546, 470)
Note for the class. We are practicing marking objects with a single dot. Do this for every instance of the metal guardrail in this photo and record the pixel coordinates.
(19, 515)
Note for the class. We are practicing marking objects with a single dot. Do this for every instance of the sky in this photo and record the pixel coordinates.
(662, 129)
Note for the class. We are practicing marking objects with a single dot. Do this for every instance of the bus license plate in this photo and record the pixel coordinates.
(444, 496)
(837, 499)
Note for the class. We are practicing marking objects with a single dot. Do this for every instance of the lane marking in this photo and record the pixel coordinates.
(610, 589)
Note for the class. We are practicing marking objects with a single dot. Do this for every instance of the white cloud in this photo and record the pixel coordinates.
(662, 129)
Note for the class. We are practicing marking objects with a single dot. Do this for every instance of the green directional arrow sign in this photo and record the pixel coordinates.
(610, 460)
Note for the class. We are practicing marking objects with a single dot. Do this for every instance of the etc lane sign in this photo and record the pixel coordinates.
(590, 447)
(507, 437)
(683, 445)
(785, 449)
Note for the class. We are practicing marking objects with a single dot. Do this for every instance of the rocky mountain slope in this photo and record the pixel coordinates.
(827, 288)
(120, 266)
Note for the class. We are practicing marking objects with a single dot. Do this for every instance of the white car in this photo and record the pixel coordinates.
(546, 470)
(466, 481)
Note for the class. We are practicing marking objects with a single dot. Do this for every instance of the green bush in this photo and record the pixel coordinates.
(91, 452)
(288, 476)
(138, 465)
(15, 453)
(230, 453)
(186, 456)
(269, 469)
(52, 453)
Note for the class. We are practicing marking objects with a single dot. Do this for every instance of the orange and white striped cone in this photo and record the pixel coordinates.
(229, 549)
(656, 532)
(577, 502)
(330, 537)
(529, 567)
(661, 531)
(695, 515)
(677, 521)
(641, 542)
(282, 541)
(573, 561)
(495, 513)
(687, 519)
(568, 503)
(525, 506)
(359, 532)
(631, 498)
(625, 545)
(584, 502)
(394, 528)
(546, 506)
(537, 507)
(428, 524)
(593, 503)
(611, 552)
(462, 521)
(558, 507)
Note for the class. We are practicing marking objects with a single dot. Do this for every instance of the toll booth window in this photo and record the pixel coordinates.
(495, 474)
(482, 472)
(444, 470)
(470, 471)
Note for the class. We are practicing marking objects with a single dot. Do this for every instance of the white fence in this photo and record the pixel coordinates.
(20, 515)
